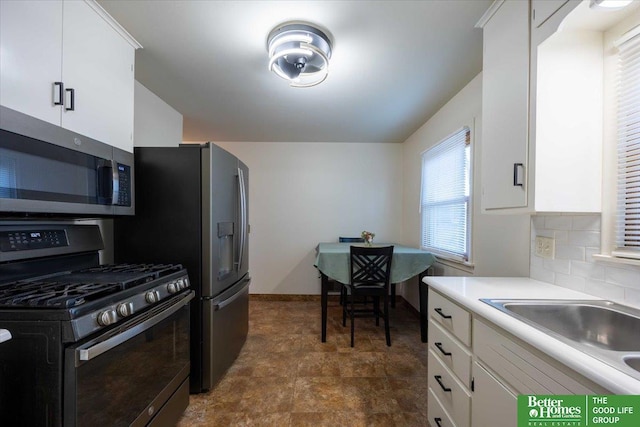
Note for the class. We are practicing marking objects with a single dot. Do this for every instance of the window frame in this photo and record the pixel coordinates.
(443, 254)
(608, 250)
(624, 246)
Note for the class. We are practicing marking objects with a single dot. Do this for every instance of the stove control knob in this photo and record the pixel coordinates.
(106, 317)
(186, 282)
(173, 287)
(182, 283)
(152, 297)
(125, 309)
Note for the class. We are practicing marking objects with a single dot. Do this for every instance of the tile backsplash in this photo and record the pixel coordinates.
(577, 238)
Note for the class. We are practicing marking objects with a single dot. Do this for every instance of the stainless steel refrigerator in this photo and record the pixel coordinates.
(192, 208)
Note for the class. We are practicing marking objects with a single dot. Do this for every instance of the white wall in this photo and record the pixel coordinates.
(500, 243)
(304, 193)
(156, 123)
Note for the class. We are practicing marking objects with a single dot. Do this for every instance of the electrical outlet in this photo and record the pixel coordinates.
(545, 247)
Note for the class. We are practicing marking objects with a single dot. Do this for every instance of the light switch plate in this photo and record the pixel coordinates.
(545, 247)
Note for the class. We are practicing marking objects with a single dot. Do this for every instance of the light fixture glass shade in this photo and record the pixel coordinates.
(299, 53)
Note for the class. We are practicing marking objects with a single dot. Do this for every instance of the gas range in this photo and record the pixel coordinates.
(93, 298)
(79, 331)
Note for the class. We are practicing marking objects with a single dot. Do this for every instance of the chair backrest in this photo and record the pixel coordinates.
(370, 265)
(350, 239)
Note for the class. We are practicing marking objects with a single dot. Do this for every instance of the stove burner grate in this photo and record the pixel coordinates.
(67, 290)
(53, 294)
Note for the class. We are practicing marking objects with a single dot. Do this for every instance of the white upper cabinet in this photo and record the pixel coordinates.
(30, 57)
(69, 63)
(542, 110)
(505, 106)
(98, 63)
(542, 10)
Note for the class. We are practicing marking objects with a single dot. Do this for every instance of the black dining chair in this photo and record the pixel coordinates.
(370, 271)
(343, 239)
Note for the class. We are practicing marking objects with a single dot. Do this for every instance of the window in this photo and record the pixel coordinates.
(445, 196)
(628, 132)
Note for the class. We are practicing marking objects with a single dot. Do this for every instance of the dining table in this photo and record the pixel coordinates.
(332, 261)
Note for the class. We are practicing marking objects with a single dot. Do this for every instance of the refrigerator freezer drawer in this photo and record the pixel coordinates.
(225, 328)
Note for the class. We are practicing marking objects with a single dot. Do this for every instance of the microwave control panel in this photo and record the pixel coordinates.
(124, 184)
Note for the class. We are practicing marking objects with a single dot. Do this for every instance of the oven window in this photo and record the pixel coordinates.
(117, 386)
(36, 170)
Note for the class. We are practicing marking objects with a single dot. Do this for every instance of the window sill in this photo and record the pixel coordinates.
(615, 260)
(454, 263)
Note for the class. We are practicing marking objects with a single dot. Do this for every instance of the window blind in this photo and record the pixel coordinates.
(628, 209)
(445, 196)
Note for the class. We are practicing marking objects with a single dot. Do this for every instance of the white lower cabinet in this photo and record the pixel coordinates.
(493, 403)
(449, 363)
(438, 417)
(452, 394)
(477, 370)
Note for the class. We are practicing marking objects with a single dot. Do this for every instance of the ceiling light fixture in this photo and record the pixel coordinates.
(609, 4)
(299, 53)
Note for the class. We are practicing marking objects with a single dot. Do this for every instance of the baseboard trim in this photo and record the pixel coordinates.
(296, 297)
(285, 297)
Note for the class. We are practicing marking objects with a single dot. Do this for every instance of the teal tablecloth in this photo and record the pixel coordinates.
(333, 260)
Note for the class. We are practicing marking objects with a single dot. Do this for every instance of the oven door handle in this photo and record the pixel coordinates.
(86, 354)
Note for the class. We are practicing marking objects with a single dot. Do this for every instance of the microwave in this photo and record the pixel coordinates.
(48, 170)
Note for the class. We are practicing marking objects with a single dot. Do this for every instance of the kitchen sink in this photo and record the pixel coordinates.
(633, 362)
(605, 330)
(584, 322)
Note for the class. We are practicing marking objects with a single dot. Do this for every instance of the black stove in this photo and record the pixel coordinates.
(78, 328)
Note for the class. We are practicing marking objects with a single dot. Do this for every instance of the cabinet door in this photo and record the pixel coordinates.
(505, 101)
(541, 10)
(31, 57)
(493, 404)
(98, 65)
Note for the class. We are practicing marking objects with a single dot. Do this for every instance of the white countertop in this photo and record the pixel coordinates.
(4, 335)
(467, 291)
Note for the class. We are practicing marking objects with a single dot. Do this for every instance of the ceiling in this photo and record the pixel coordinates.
(394, 64)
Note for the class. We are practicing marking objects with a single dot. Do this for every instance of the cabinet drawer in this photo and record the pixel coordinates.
(450, 315)
(524, 371)
(451, 353)
(438, 417)
(453, 396)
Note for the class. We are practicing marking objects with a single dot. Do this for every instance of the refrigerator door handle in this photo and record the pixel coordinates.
(243, 216)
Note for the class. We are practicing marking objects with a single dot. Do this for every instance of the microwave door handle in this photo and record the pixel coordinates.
(104, 171)
(115, 179)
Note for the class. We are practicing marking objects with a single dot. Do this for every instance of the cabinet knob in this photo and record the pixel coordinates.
(517, 179)
(439, 347)
(58, 93)
(72, 99)
(439, 311)
(439, 379)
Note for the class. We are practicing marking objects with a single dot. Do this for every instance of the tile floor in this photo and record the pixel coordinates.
(285, 376)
